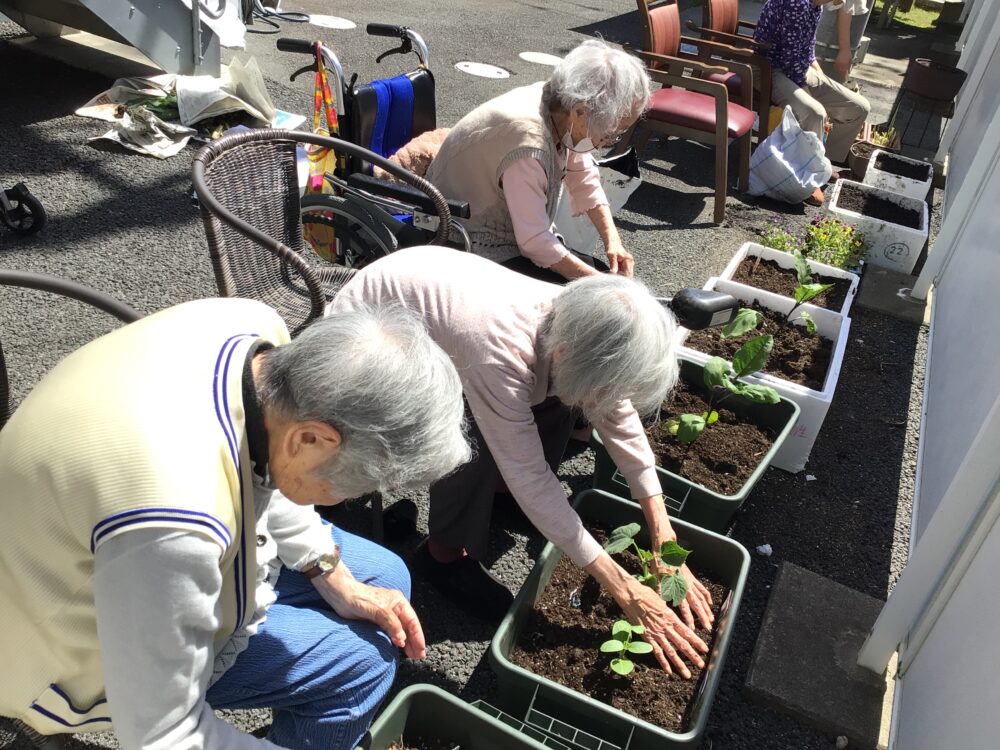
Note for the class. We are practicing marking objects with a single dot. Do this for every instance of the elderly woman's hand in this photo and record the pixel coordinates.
(620, 260)
(671, 639)
(387, 608)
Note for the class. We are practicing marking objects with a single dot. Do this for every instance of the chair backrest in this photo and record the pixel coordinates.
(368, 129)
(721, 15)
(661, 25)
(257, 182)
(66, 288)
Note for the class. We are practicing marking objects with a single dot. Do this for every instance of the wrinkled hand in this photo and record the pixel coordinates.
(387, 608)
(620, 260)
(670, 638)
(697, 602)
(842, 64)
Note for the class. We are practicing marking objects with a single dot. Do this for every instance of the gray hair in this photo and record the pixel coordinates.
(611, 341)
(610, 83)
(378, 378)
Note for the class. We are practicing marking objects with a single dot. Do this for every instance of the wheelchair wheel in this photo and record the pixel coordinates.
(26, 215)
(361, 237)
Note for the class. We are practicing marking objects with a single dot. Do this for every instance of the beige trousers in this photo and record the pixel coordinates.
(820, 98)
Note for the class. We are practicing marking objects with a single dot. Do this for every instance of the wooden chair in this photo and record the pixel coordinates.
(721, 24)
(692, 106)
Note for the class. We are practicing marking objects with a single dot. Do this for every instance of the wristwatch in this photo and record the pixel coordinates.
(323, 564)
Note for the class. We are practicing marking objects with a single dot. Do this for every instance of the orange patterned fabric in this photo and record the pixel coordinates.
(319, 237)
(665, 26)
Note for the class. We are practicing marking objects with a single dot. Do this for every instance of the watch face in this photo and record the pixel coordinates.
(327, 563)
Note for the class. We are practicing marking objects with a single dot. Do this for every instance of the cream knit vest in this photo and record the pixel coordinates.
(142, 428)
(475, 154)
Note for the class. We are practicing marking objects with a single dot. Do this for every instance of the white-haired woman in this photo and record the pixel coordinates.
(509, 157)
(150, 571)
(528, 354)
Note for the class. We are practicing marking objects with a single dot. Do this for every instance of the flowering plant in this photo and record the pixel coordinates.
(835, 243)
(777, 237)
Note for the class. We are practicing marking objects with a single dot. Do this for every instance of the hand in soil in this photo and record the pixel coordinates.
(665, 632)
(698, 601)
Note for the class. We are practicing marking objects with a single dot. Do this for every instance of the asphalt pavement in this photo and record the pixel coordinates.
(124, 223)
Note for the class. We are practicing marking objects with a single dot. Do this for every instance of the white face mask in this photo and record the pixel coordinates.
(585, 146)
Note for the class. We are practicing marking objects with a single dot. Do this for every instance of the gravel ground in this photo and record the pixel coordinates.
(123, 224)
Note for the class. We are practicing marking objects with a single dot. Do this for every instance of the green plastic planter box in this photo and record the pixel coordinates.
(580, 721)
(692, 502)
(428, 711)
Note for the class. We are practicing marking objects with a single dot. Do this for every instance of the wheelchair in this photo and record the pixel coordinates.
(372, 217)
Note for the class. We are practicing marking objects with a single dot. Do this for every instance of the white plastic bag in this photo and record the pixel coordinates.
(619, 178)
(790, 163)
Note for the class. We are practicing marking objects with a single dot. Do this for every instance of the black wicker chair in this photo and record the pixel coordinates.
(66, 288)
(247, 184)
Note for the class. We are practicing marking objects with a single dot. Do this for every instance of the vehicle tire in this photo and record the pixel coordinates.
(361, 236)
(27, 215)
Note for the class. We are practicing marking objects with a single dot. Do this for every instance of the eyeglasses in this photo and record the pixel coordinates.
(615, 138)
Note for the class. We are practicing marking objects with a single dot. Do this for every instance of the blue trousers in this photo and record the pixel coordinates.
(323, 676)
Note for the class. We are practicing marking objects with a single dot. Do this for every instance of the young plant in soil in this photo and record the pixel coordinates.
(672, 586)
(777, 237)
(621, 643)
(722, 377)
(770, 276)
(805, 291)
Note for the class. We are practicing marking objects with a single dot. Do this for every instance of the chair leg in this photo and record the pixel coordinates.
(721, 179)
(744, 182)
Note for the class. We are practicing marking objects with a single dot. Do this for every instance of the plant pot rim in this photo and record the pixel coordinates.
(716, 656)
(883, 193)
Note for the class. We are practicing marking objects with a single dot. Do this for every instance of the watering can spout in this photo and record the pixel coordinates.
(696, 309)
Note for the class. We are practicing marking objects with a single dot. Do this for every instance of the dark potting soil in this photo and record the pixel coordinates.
(771, 277)
(861, 201)
(903, 168)
(724, 455)
(796, 356)
(562, 643)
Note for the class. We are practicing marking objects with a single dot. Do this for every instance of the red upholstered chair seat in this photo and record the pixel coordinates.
(691, 109)
(732, 82)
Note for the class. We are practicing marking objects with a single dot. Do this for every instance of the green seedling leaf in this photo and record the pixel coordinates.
(622, 666)
(801, 267)
(621, 538)
(691, 426)
(621, 630)
(646, 579)
(810, 323)
(759, 394)
(806, 292)
(645, 555)
(711, 417)
(638, 630)
(673, 554)
(612, 647)
(746, 320)
(673, 588)
(752, 356)
(673, 425)
(716, 372)
(639, 647)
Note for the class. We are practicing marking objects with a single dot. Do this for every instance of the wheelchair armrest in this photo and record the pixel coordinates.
(405, 194)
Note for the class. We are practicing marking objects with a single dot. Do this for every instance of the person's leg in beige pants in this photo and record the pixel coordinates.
(823, 97)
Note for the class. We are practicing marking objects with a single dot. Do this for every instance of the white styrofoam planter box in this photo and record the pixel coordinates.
(813, 405)
(889, 245)
(786, 260)
(895, 183)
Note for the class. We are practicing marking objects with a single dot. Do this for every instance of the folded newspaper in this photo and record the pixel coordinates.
(145, 110)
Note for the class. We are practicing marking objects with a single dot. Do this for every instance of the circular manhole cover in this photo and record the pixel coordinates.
(332, 22)
(542, 58)
(483, 70)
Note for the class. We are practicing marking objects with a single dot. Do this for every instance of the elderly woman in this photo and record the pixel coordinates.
(149, 571)
(509, 157)
(529, 352)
